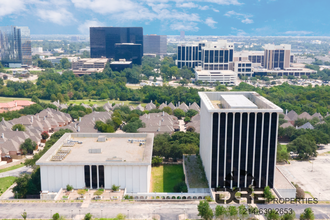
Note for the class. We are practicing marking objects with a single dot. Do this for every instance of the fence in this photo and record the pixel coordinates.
(167, 196)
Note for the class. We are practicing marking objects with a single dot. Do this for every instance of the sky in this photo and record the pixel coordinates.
(169, 17)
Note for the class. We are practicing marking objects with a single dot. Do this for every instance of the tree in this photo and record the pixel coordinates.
(191, 112)
(18, 127)
(156, 161)
(168, 110)
(308, 214)
(66, 98)
(272, 215)
(190, 129)
(60, 98)
(187, 119)
(183, 82)
(220, 212)
(232, 212)
(221, 88)
(204, 210)
(178, 113)
(28, 146)
(121, 216)
(65, 63)
(44, 135)
(104, 96)
(289, 216)
(53, 97)
(35, 99)
(303, 146)
(21, 189)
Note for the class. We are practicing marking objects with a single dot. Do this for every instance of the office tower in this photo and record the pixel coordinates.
(210, 55)
(155, 44)
(15, 46)
(238, 139)
(103, 39)
(129, 52)
(277, 56)
(182, 35)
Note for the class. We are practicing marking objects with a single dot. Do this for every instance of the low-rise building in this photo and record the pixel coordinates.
(94, 161)
(88, 65)
(223, 76)
(14, 105)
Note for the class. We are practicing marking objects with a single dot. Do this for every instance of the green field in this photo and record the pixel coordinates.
(165, 177)
(5, 183)
(12, 168)
(78, 102)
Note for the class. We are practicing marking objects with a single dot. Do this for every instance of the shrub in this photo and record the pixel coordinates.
(99, 192)
(208, 198)
(191, 129)
(115, 188)
(179, 113)
(24, 215)
(88, 216)
(18, 127)
(156, 161)
(300, 194)
(81, 191)
(121, 216)
(308, 214)
(69, 187)
(187, 119)
(56, 216)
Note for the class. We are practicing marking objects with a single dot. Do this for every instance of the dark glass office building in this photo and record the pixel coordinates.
(129, 52)
(238, 139)
(103, 40)
(15, 46)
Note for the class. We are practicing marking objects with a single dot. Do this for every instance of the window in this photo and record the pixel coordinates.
(239, 65)
(87, 176)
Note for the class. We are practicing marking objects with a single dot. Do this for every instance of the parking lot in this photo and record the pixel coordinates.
(312, 176)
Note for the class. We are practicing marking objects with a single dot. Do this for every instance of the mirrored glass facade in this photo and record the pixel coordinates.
(155, 44)
(103, 39)
(15, 45)
(130, 52)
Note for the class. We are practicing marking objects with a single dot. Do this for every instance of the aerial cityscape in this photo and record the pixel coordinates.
(113, 110)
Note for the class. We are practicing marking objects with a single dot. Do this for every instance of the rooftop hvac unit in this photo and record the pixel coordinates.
(95, 151)
(101, 139)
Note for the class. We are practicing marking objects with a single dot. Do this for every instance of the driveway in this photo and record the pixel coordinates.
(16, 172)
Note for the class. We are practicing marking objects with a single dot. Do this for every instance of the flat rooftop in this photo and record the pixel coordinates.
(237, 101)
(100, 149)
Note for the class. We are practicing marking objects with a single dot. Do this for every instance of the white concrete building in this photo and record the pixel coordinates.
(95, 160)
(238, 139)
(223, 76)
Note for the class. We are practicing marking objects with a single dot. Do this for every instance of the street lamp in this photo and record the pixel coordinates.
(16, 195)
(127, 213)
(79, 213)
(50, 213)
(71, 214)
(101, 213)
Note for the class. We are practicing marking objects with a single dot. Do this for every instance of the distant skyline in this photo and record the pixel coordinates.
(195, 17)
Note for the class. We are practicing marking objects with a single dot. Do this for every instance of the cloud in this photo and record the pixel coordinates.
(184, 26)
(224, 2)
(210, 22)
(205, 7)
(84, 28)
(107, 7)
(298, 32)
(245, 18)
(215, 10)
(187, 5)
(239, 32)
(59, 16)
(11, 7)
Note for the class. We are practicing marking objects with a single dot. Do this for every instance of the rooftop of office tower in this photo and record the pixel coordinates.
(237, 102)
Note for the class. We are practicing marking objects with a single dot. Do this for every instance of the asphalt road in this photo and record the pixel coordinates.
(135, 210)
(15, 172)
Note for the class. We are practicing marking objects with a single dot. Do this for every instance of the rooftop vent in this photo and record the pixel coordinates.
(95, 151)
(101, 139)
(60, 154)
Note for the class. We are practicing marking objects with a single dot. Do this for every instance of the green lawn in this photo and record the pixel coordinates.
(12, 168)
(5, 183)
(165, 177)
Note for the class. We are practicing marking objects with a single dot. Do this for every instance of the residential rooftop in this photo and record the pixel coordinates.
(99, 149)
(237, 101)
